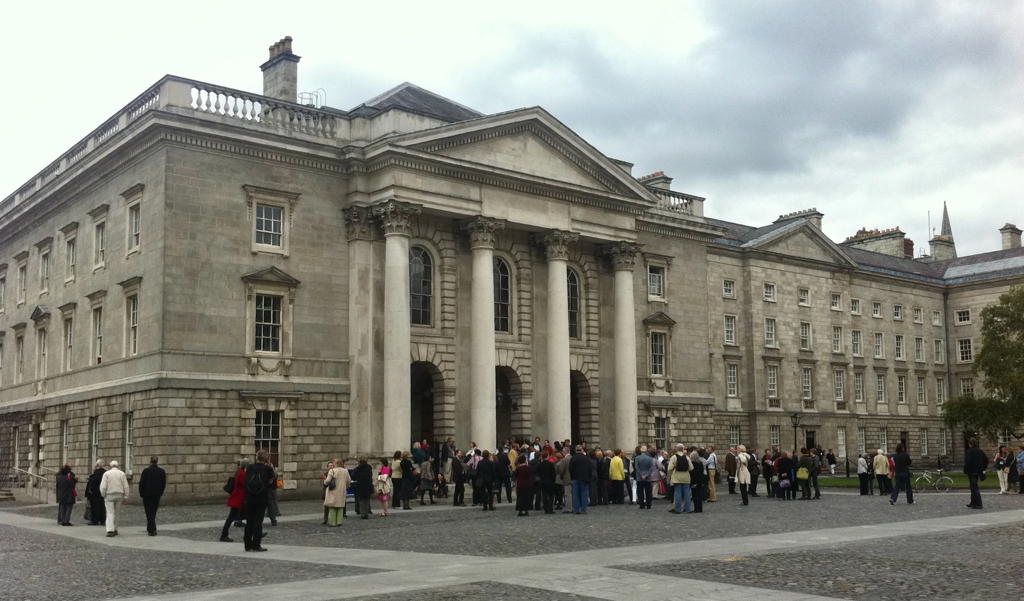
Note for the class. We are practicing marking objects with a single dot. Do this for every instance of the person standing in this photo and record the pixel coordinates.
(616, 478)
(975, 463)
(805, 466)
(273, 512)
(580, 472)
(259, 477)
(409, 479)
(901, 476)
(66, 493)
(524, 487)
(642, 464)
(236, 498)
(486, 476)
(396, 479)
(97, 513)
(151, 487)
(114, 490)
(447, 459)
(679, 469)
(754, 467)
(1001, 463)
(563, 480)
(426, 486)
(864, 475)
(382, 486)
(831, 459)
(336, 484)
(711, 470)
(363, 476)
(458, 472)
(547, 478)
(881, 468)
(730, 469)
(697, 480)
(1020, 471)
(743, 462)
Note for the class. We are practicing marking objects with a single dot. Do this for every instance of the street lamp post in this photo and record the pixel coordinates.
(795, 419)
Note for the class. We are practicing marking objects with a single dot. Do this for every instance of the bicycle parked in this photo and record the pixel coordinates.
(934, 480)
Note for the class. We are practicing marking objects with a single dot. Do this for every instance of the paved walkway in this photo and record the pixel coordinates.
(587, 573)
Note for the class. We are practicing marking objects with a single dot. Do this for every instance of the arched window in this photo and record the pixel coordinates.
(421, 285)
(573, 288)
(502, 296)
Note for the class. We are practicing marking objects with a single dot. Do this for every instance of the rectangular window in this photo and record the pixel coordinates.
(899, 347)
(730, 329)
(806, 383)
(918, 315)
(862, 440)
(127, 440)
(805, 336)
(659, 344)
(269, 225)
(855, 306)
(922, 395)
(837, 302)
(772, 381)
(936, 318)
(94, 440)
(839, 383)
(22, 282)
(70, 256)
(97, 335)
(943, 441)
(19, 359)
(268, 323)
(901, 390)
(940, 350)
(769, 332)
(964, 350)
(134, 226)
(841, 441)
(732, 383)
(99, 254)
(63, 442)
(769, 292)
(883, 439)
(44, 271)
(963, 317)
(966, 387)
(729, 288)
(897, 312)
(661, 432)
(131, 319)
(41, 353)
(734, 435)
(919, 349)
(876, 309)
(656, 281)
(69, 332)
(837, 339)
(804, 297)
(940, 391)
(924, 442)
(855, 343)
(879, 345)
(268, 434)
(774, 435)
(858, 387)
(879, 389)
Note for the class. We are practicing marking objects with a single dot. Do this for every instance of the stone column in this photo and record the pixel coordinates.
(395, 218)
(364, 430)
(623, 256)
(481, 346)
(559, 418)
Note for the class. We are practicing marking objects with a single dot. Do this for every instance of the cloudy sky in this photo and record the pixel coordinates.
(873, 112)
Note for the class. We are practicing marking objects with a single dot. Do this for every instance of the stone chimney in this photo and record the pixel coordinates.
(892, 241)
(813, 215)
(658, 180)
(1011, 236)
(281, 72)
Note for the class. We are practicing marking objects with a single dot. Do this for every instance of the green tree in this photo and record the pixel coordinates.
(1000, 363)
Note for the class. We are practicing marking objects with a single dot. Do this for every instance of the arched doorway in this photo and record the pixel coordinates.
(426, 382)
(579, 402)
(509, 391)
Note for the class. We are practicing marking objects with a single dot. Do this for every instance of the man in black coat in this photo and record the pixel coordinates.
(151, 488)
(458, 469)
(547, 476)
(975, 463)
(259, 478)
(97, 511)
(580, 469)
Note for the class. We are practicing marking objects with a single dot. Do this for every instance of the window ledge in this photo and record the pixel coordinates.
(656, 299)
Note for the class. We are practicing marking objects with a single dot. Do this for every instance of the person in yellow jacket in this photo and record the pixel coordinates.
(617, 478)
(881, 465)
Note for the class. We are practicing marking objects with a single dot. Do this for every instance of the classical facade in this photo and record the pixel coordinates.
(212, 271)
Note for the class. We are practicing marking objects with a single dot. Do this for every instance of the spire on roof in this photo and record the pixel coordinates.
(947, 232)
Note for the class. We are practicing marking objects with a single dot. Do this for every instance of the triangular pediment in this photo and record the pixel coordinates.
(659, 319)
(270, 275)
(529, 142)
(40, 313)
(803, 240)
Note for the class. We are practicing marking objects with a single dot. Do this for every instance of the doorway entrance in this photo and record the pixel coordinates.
(509, 392)
(425, 382)
(810, 439)
(579, 402)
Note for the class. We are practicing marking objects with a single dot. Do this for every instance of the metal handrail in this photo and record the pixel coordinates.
(28, 473)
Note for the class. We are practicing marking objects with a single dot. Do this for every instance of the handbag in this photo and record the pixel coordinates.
(229, 486)
(802, 474)
(332, 483)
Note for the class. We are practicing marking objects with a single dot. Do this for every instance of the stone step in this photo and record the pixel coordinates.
(6, 495)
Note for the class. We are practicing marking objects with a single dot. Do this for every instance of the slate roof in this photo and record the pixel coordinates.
(412, 98)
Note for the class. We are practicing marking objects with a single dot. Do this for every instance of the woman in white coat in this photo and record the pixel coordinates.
(743, 460)
(335, 485)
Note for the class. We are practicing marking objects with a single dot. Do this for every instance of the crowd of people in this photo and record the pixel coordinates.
(105, 491)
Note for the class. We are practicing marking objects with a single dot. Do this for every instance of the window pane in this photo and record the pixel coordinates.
(501, 296)
(573, 288)
(268, 224)
(268, 323)
(421, 285)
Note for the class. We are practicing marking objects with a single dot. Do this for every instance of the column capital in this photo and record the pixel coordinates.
(358, 223)
(481, 231)
(556, 244)
(622, 255)
(395, 217)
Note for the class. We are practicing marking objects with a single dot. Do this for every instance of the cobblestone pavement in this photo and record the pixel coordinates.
(132, 514)
(502, 533)
(45, 567)
(489, 591)
(975, 565)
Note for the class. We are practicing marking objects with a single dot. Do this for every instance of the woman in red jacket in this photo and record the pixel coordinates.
(235, 500)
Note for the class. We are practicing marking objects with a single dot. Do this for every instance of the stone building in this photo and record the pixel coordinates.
(212, 271)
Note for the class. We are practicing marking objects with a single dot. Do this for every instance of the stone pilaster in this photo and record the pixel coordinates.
(483, 428)
(623, 257)
(559, 421)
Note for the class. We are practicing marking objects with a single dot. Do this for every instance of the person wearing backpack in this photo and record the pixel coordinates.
(679, 469)
(259, 477)
(235, 488)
